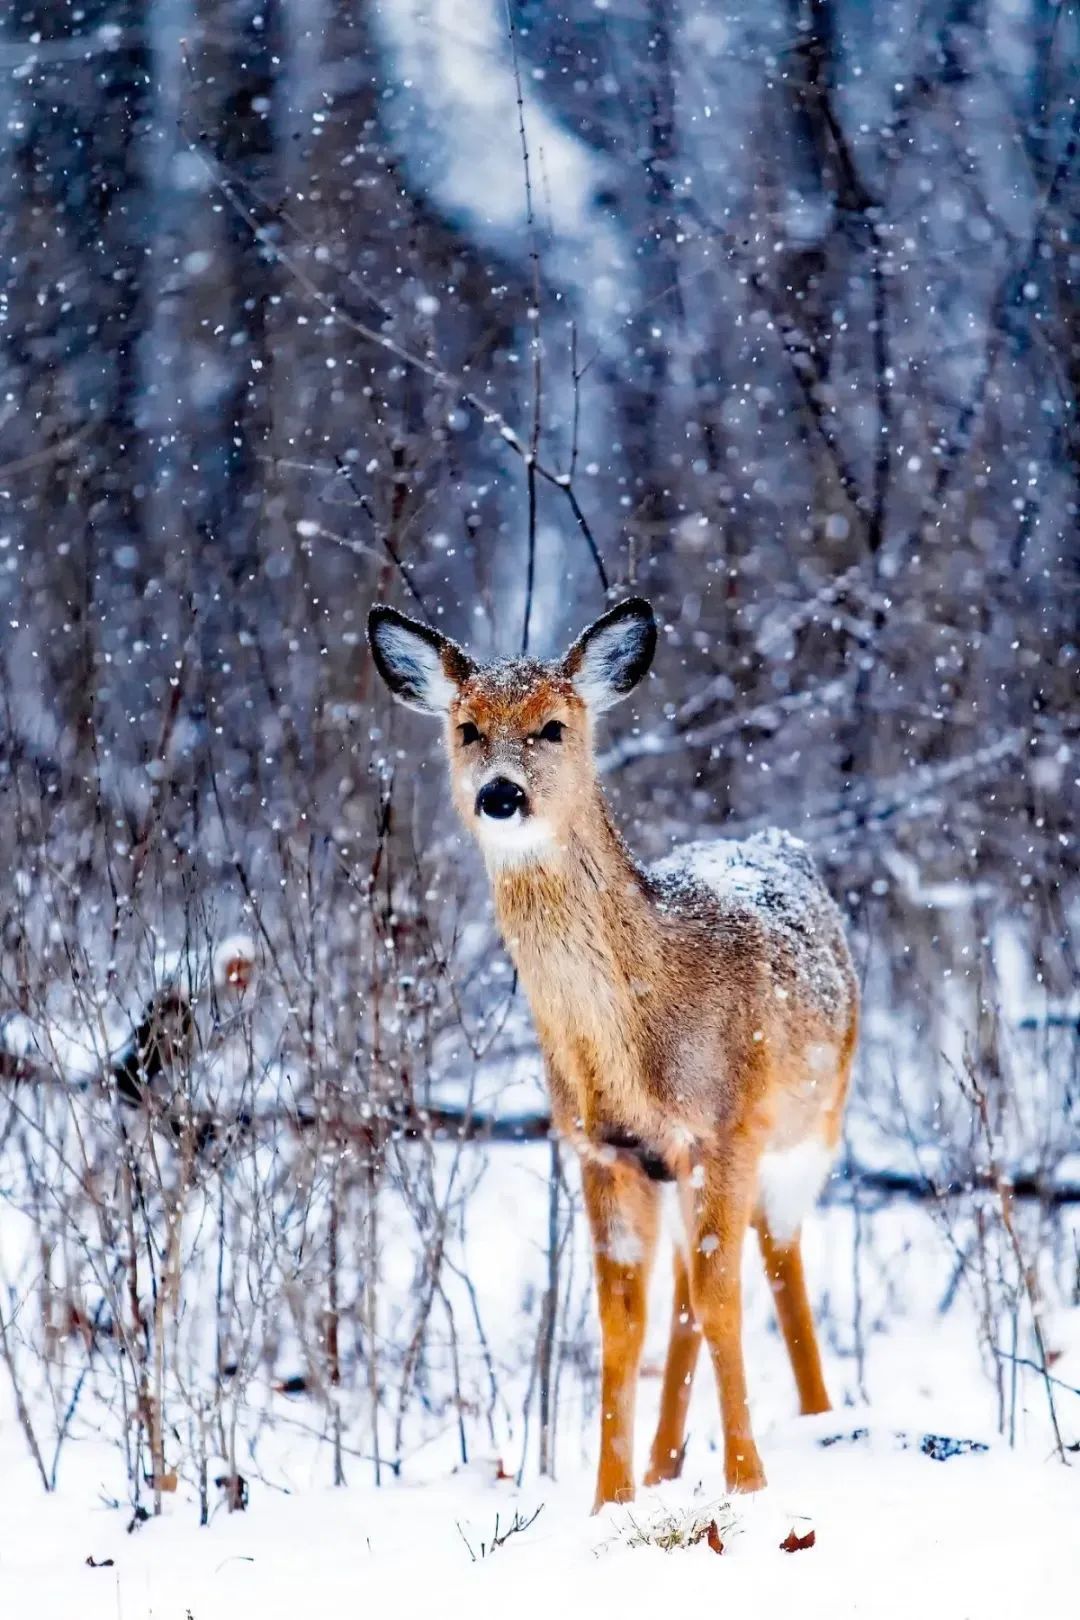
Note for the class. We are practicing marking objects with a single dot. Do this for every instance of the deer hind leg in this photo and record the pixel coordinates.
(784, 1269)
(718, 1214)
(622, 1206)
(669, 1446)
(788, 1185)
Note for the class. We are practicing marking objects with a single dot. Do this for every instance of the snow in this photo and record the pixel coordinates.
(980, 1535)
(770, 876)
(75, 1051)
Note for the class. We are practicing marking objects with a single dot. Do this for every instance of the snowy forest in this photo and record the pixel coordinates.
(500, 312)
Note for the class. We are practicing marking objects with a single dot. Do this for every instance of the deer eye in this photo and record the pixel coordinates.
(553, 731)
(468, 734)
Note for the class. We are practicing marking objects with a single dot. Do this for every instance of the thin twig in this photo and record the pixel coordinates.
(381, 534)
(536, 343)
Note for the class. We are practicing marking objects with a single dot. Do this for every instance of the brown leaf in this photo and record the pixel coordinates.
(164, 1482)
(712, 1536)
(793, 1542)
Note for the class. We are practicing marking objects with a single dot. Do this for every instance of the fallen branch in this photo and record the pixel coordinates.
(164, 1029)
(906, 1184)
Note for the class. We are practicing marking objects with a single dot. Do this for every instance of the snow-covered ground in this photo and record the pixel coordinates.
(983, 1534)
(896, 1532)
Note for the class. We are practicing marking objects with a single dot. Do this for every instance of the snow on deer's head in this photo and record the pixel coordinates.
(518, 732)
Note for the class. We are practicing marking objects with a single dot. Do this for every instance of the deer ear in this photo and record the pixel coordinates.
(421, 668)
(608, 659)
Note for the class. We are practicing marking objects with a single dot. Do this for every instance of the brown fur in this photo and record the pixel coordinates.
(671, 1018)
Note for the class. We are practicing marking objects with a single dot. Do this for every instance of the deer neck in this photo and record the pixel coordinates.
(588, 880)
(585, 940)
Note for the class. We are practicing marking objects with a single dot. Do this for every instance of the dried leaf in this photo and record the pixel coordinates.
(164, 1482)
(793, 1542)
(99, 1563)
(712, 1536)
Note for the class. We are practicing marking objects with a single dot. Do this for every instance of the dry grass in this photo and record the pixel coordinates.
(673, 1528)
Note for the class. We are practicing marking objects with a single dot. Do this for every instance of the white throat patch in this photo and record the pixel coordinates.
(519, 841)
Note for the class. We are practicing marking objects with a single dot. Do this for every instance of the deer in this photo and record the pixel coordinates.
(697, 1018)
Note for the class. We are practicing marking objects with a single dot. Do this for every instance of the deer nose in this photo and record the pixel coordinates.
(500, 799)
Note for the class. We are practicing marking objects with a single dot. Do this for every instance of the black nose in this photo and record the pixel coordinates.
(500, 799)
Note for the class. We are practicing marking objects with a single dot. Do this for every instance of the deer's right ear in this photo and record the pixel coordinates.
(421, 668)
(608, 659)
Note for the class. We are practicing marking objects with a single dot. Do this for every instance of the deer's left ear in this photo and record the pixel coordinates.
(421, 668)
(608, 659)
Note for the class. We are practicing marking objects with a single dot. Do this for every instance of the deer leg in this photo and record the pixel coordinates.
(719, 1213)
(784, 1269)
(666, 1457)
(622, 1207)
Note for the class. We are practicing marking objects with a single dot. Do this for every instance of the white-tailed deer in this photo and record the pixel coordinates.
(697, 1018)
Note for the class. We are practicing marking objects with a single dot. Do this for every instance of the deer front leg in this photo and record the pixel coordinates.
(622, 1209)
(718, 1214)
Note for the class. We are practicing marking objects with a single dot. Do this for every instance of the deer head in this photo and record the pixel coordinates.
(518, 733)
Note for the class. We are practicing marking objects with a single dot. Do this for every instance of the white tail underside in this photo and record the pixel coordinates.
(789, 1182)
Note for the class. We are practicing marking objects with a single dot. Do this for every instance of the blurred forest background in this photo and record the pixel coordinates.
(770, 312)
